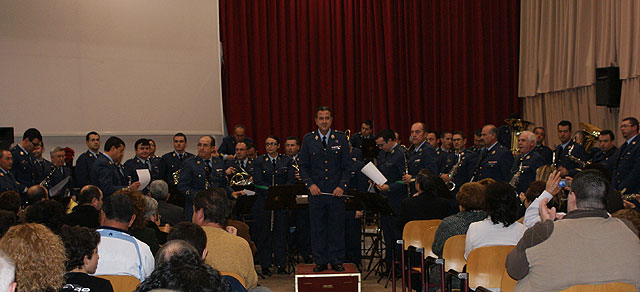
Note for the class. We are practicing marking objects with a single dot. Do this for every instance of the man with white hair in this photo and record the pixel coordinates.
(58, 172)
(7, 273)
(523, 172)
(169, 213)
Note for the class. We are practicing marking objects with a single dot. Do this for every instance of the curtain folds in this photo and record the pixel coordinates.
(451, 64)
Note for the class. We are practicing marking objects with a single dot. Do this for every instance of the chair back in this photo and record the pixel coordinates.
(122, 283)
(413, 232)
(507, 284)
(427, 239)
(453, 253)
(234, 276)
(486, 265)
(608, 287)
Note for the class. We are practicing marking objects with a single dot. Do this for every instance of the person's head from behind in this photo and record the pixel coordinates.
(191, 233)
(50, 213)
(10, 201)
(588, 191)
(501, 203)
(159, 190)
(7, 273)
(180, 268)
(139, 207)
(211, 206)
(7, 219)
(118, 211)
(151, 210)
(81, 245)
(533, 191)
(36, 193)
(91, 195)
(39, 257)
(471, 196)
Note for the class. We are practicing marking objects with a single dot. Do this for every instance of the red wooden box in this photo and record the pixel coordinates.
(327, 281)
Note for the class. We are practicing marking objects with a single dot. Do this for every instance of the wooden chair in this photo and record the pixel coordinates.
(122, 283)
(453, 253)
(486, 265)
(413, 236)
(608, 287)
(235, 276)
(507, 284)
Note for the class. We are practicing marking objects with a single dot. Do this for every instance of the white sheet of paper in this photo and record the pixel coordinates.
(54, 190)
(249, 192)
(144, 177)
(372, 172)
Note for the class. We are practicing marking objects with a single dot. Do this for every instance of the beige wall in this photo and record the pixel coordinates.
(122, 67)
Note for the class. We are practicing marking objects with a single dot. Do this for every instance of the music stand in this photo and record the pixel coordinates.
(369, 149)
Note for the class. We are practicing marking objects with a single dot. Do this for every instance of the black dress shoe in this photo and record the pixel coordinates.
(267, 272)
(320, 268)
(337, 268)
(282, 271)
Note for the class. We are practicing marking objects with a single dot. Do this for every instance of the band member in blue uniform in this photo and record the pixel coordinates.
(525, 165)
(23, 161)
(40, 164)
(626, 175)
(565, 164)
(241, 162)
(543, 150)
(495, 160)
(392, 163)
(7, 180)
(107, 173)
(607, 143)
(325, 168)
(462, 159)
(142, 160)
(57, 172)
(353, 219)
(228, 146)
(301, 221)
(271, 169)
(173, 162)
(85, 161)
(422, 155)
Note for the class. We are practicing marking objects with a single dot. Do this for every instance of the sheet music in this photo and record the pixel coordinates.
(57, 188)
(144, 177)
(374, 174)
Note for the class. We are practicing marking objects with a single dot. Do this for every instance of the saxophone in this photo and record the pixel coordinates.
(516, 176)
(582, 164)
(450, 184)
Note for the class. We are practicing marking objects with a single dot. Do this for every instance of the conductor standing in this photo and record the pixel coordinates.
(325, 169)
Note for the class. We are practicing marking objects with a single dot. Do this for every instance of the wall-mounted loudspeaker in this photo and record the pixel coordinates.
(608, 86)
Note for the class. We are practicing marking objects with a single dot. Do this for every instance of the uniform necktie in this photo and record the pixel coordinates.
(324, 142)
(181, 156)
(273, 162)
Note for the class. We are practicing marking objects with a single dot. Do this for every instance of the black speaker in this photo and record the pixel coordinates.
(6, 137)
(608, 86)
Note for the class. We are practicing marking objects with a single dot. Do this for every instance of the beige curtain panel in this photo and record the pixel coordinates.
(561, 45)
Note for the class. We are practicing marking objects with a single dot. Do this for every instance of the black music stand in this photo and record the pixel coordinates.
(369, 149)
(379, 205)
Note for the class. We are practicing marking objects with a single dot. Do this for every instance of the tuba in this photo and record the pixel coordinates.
(516, 127)
(591, 135)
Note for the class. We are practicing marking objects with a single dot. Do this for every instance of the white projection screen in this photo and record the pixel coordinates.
(120, 67)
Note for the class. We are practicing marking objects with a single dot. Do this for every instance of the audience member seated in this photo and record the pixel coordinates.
(169, 213)
(81, 245)
(191, 233)
(7, 219)
(587, 246)
(7, 273)
(87, 213)
(470, 197)
(119, 252)
(39, 257)
(139, 228)
(179, 267)
(631, 215)
(227, 252)
(36, 193)
(425, 204)
(500, 227)
(50, 213)
(153, 219)
(10, 201)
(535, 189)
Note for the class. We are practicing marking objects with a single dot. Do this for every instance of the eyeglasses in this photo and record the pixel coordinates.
(271, 144)
(457, 140)
(379, 145)
(241, 149)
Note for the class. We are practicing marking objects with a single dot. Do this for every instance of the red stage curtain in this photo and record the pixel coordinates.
(452, 64)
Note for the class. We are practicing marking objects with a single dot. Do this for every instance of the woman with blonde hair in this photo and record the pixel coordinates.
(39, 256)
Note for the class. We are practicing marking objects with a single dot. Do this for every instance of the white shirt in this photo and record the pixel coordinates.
(532, 215)
(485, 233)
(119, 255)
